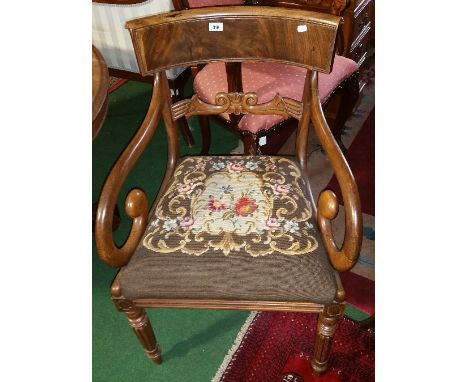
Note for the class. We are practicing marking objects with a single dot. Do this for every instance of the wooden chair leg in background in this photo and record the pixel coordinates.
(185, 130)
(326, 327)
(139, 322)
(250, 144)
(205, 133)
(177, 88)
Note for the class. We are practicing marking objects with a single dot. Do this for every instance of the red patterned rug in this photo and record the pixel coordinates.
(277, 347)
(360, 291)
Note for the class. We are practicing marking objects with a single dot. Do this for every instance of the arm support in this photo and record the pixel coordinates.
(344, 258)
(136, 203)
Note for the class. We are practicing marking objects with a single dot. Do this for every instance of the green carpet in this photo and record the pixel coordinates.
(194, 342)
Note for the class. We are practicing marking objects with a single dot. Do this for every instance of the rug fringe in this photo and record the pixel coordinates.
(240, 336)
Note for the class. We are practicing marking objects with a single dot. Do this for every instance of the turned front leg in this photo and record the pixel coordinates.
(326, 327)
(141, 325)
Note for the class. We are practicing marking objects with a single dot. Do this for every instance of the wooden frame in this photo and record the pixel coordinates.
(143, 32)
(346, 93)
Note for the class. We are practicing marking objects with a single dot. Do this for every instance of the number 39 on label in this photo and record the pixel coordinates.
(215, 27)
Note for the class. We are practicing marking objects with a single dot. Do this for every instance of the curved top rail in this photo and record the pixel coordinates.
(232, 34)
(233, 11)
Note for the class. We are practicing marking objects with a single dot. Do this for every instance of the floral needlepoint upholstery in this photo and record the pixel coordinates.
(251, 214)
(255, 206)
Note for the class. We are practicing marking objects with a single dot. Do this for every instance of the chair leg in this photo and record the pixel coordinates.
(326, 327)
(206, 134)
(185, 130)
(141, 325)
(250, 144)
(182, 123)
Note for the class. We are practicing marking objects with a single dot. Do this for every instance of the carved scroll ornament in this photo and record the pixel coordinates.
(238, 103)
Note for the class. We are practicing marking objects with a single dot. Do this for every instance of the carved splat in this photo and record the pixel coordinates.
(238, 103)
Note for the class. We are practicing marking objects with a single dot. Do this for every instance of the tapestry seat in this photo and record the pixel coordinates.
(231, 228)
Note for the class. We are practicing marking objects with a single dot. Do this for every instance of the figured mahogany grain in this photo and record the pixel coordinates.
(248, 33)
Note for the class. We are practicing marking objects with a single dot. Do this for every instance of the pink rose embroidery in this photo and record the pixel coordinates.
(281, 189)
(187, 222)
(199, 166)
(270, 166)
(272, 224)
(186, 188)
(235, 168)
(215, 205)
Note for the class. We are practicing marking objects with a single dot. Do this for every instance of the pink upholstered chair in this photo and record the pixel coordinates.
(268, 79)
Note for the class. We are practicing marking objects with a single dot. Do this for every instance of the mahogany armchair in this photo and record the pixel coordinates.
(339, 90)
(232, 232)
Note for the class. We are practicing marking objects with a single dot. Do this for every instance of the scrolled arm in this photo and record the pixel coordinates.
(136, 203)
(344, 258)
